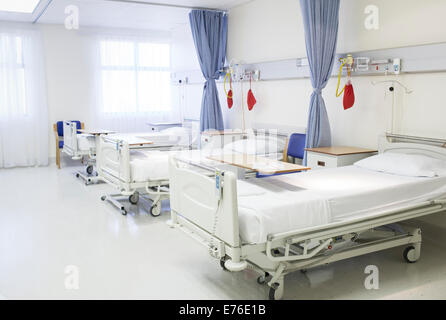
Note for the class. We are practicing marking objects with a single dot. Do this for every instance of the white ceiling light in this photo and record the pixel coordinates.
(19, 6)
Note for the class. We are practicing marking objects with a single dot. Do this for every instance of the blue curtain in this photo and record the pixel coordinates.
(321, 19)
(210, 31)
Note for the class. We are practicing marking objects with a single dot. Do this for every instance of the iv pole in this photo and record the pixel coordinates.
(392, 90)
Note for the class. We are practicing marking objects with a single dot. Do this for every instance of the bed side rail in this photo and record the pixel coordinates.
(194, 196)
(114, 159)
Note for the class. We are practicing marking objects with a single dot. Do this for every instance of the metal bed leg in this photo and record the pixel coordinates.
(413, 252)
(159, 193)
(276, 283)
(87, 178)
(276, 289)
(111, 198)
(155, 210)
(262, 279)
(418, 249)
(88, 175)
(173, 219)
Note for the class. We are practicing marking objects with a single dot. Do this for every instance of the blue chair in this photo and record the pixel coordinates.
(58, 131)
(295, 149)
(296, 146)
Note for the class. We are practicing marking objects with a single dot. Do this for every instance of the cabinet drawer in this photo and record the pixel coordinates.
(320, 161)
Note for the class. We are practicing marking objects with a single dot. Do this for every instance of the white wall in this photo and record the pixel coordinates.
(69, 85)
(71, 89)
(185, 61)
(265, 30)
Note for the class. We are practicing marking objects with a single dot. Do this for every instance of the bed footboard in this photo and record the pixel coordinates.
(70, 139)
(114, 161)
(193, 195)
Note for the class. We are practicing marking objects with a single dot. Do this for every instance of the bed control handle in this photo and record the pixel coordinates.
(321, 163)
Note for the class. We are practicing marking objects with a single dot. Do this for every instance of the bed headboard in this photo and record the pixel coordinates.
(412, 145)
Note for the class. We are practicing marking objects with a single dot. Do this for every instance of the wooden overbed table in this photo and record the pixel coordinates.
(258, 164)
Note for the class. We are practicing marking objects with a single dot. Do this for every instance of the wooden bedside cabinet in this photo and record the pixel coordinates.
(333, 157)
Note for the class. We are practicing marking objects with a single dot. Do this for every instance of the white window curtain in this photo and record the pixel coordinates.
(133, 83)
(23, 107)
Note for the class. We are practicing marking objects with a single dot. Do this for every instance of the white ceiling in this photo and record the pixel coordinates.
(121, 14)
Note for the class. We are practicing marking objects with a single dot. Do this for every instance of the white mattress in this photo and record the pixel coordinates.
(302, 200)
(149, 165)
(85, 142)
(153, 165)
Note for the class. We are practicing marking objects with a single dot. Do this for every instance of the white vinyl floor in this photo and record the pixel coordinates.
(58, 240)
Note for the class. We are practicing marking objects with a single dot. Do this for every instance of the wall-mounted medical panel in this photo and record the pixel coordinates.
(413, 59)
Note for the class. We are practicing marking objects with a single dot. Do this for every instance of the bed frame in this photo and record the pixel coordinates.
(113, 159)
(71, 149)
(208, 211)
(114, 168)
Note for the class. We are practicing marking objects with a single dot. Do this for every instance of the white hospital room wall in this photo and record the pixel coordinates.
(71, 89)
(69, 85)
(185, 61)
(264, 30)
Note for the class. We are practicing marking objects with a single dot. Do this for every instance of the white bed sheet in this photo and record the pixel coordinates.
(151, 165)
(302, 200)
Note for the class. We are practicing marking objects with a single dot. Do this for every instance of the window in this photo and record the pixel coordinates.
(135, 76)
(12, 77)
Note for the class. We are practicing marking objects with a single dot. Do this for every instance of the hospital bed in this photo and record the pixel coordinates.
(80, 144)
(282, 224)
(137, 164)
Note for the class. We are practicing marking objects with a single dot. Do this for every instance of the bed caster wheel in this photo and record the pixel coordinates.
(103, 198)
(275, 292)
(222, 264)
(134, 198)
(410, 254)
(155, 210)
(262, 279)
(123, 212)
(89, 169)
(77, 175)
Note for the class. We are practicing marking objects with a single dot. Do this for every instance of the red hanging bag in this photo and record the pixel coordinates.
(251, 99)
(230, 99)
(229, 95)
(349, 95)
